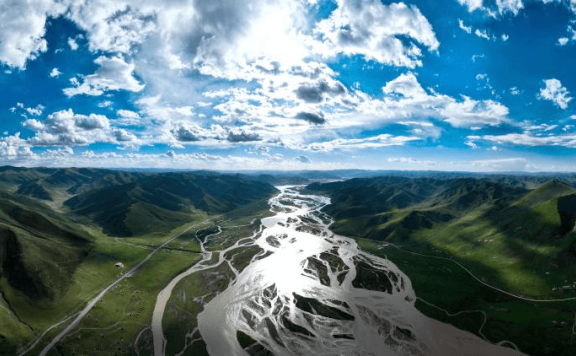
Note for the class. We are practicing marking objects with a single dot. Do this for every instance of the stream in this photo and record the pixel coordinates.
(318, 293)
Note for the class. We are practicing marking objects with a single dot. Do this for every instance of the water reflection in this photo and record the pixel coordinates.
(317, 293)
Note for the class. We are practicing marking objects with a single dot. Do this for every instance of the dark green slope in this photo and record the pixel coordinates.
(518, 240)
(33, 239)
(54, 256)
(519, 233)
(166, 198)
(133, 203)
(379, 207)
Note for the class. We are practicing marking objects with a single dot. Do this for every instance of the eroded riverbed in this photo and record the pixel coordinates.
(316, 293)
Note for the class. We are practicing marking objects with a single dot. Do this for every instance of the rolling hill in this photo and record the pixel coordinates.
(60, 229)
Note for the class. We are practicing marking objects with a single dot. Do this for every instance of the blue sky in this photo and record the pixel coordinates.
(467, 85)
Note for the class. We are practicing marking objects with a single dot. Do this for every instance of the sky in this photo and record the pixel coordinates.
(452, 85)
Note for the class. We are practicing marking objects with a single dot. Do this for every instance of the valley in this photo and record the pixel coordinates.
(202, 263)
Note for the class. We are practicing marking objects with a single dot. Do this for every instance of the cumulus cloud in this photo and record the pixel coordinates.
(471, 112)
(390, 34)
(128, 114)
(23, 29)
(55, 73)
(122, 135)
(36, 111)
(405, 86)
(72, 44)
(502, 6)
(13, 147)
(562, 41)
(189, 133)
(238, 135)
(471, 4)
(406, 98)
(555, 92)
(66, 128)
(112, 26)
(114, 74)
(315, 93)
(513, 6)
(313, 118)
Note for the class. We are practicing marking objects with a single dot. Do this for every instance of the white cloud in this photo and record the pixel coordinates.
(406, 85)
(475, 57)
(59, 153)
(23, 29)
(55, 73)
(73, 44)
(467, 29)
(14, 148)
(504, 37)
(410, 160)
(65, 128)
(114, 74)
(529, 139)
(513, 6)
(503, 164)
(37, 111)
(128, 114)
(104, 104)
(383, 140)
(514, 91)
(471, 112)
(571, 4)
(471, 4)
(502, 6)
(372, 29)
(562, 41)
(128, 118)
(555, 92)
(571, 37)
(409, 99)
(114, 26)
(482, 34)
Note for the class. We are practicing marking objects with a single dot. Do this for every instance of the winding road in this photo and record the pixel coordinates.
(93, 302)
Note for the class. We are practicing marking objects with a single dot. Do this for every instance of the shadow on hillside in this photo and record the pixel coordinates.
(527, 230)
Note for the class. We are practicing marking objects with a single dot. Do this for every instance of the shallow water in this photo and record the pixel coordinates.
(317, 293)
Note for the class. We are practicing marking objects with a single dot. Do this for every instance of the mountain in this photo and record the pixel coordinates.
(132, 203)
(60, 229)
(480, 252)
(495, 226)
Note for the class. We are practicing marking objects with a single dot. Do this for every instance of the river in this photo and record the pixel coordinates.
(318, 293)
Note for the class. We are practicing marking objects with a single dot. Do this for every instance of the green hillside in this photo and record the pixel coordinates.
(514, 239)
(59, 238)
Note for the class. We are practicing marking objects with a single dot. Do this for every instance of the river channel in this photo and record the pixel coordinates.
(317, 293)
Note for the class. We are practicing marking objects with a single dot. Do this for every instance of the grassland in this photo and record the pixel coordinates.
(445, 289)
(510, 240)
(119, 323)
